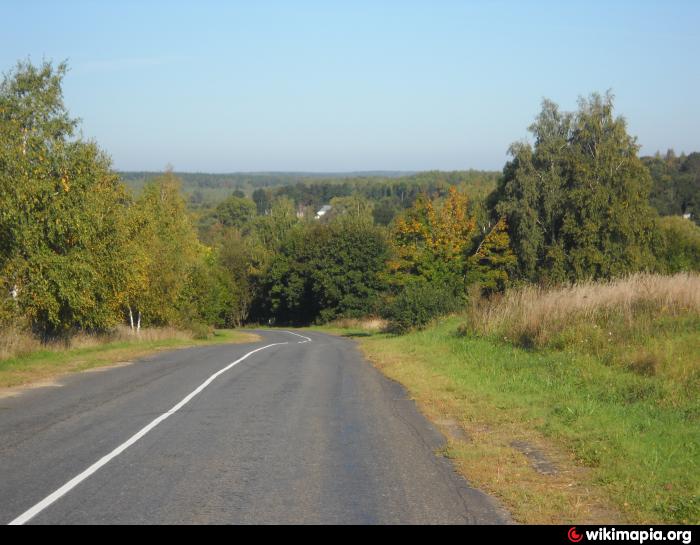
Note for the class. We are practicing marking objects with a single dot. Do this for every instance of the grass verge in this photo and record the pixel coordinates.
(47, 364)
(622, 449)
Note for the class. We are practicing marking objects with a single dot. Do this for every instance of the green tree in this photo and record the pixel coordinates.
(576, 204)
(678, 247)
(272, 228)
(241, 258)
(286, 284)
(209, 294)
(354, 208)
(171, 247)
(494, 261)
(324, 271)
(432, 240)
(62, 211)
(262, 200)
(235, 212)
(676, 184)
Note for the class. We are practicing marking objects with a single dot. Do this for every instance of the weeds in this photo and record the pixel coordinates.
(16, 343)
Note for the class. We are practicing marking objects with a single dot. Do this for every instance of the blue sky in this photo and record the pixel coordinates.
(341, 86)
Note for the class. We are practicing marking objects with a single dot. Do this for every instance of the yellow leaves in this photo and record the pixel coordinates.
(64, 183)
(451, 228)
(434, 231)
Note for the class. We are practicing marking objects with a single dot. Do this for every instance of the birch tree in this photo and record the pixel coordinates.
(61, 210)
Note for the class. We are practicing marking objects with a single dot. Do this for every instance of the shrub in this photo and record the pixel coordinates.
(679, 247)
(200, 331)
(419, 303)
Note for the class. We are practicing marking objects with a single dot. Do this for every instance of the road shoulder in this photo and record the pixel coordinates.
(46, 368)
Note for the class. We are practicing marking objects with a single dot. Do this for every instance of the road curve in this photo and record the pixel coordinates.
(300, 432)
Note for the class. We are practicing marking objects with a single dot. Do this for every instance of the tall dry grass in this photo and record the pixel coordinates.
(368, 324)
(15, 342)
(536, 317)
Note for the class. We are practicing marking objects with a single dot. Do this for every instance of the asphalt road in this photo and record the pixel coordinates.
(298, 432)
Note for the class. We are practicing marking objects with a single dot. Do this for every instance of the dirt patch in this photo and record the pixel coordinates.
(108, 367)
(538, 459)
(453, 430)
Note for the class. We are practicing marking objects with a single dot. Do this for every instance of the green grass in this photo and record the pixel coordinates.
(45, 365)
(627, 442)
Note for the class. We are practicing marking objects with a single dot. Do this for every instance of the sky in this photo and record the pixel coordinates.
(333, 86)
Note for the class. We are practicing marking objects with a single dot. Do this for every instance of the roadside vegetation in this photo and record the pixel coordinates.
(24, 360)
(644, 323)
(600, 380)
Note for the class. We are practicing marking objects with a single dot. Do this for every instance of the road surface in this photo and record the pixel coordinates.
(301, 430)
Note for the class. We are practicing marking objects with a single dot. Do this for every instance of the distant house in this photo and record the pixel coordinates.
(323, 211)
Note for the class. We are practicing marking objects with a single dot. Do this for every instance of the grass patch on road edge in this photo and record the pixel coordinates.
(621, 454)
(46, 365)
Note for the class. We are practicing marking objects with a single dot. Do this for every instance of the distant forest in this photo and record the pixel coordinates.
(312, 188)
(675, 187)
(676, 184)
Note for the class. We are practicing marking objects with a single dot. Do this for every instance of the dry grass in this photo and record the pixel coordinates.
(123, 333)
(16, 343)
(534, 317)
(371, 324)
(27, 361)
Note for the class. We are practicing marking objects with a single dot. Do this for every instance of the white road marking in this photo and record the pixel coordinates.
(297, 334)
(75, 481)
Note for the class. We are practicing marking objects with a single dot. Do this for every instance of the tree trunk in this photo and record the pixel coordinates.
(131, 318)
(138, 323)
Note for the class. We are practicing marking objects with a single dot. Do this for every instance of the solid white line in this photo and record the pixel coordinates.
(75, 481)
(297, 334)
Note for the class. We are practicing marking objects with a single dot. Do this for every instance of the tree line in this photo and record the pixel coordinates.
(80, 251)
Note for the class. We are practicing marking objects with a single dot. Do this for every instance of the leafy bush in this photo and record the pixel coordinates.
(679, 248)
(200, 331)
(209, 294)
(418, 304)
